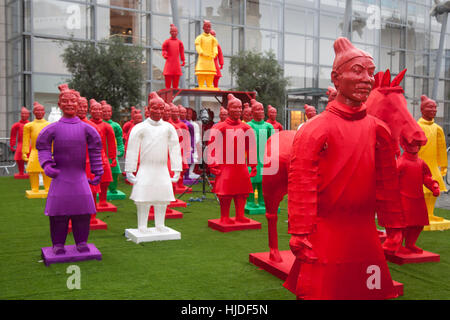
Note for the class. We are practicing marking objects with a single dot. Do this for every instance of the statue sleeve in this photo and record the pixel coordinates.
(182, 51)
(251, 148)
(220, 54)
(427, 177)
(214, 147)
(164, 51)
(134, 144)
(174, 150)
(44, 145)
(388, 201)
(94, 146)
(215, 49)
(26, 140)
(111, 141)
(198, 45)
(441, 149)
(118, 133)
(13, 136)
(304, 179)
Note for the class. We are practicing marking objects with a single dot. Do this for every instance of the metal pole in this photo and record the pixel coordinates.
(176, 22)
(346, 29)
(439, 56)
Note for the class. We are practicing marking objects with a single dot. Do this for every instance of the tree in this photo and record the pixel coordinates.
(110, 71)
(262, 73)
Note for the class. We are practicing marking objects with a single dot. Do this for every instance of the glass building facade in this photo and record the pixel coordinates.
(398, 33)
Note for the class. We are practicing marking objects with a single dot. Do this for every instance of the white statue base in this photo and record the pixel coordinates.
(152, 235)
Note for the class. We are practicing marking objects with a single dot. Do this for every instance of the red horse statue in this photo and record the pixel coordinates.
(386, 102)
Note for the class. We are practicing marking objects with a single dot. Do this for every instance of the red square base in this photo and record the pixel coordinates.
(170, 214)
(382, 236)
(98, 225)
(177, 204)
(278, 269)
(21, 176)
(108, 208)
(402, 258)
(398, 287)
(217, 225)
(184, 189)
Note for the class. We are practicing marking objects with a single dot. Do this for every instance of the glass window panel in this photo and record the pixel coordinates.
(299, 20)
(434, 40)
(132, 4)
(333, 5)
(223, 35)
(298, 48)
(46, 90)
(416, 40)
(225, 80)
(296, 75)
(263, 14)
(158, 63)
(408, 86)
(385, 59)
(160, 29)
(392, 35)
(309, 76)
(418, 16)
(186, 8)
(325, 77)
(223, 11)
(129, 25)
(393, 11)
(47, 56)
(330, 26)
(262, 41)
(303, 3)
(14, 63)
(161, 6)
(13, 18)
(61, 18)
(326, 52)
(14, 93)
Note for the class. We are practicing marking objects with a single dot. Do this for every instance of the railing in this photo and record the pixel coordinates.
(6, 155)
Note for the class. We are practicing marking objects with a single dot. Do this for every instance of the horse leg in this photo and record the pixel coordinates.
(272, 202)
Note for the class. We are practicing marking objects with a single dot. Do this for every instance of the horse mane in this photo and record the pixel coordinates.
(384, 84)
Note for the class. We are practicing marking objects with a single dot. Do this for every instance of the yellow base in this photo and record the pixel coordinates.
(208, 88)
(36, 195)
(438, 225)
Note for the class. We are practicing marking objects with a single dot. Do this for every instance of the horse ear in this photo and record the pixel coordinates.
(398, 78)
(386, 81)
(378, 78)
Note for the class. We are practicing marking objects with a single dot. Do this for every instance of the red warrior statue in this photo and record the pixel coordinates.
(173, 51)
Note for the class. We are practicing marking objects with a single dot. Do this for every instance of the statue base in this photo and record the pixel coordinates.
(118, 195)
(382, 235)
(180, 190)
(208, 88)
(109, 207)
(278, 269)
(71, 255)
(404, 258)
(96, 225)
(255, 210)
(153, 235)
(437, 225)
(41, 194)
(236, 226)
(21, 176)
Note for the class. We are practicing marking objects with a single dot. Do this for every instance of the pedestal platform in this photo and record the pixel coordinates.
(278, 269)
(184, 189)
(382, 235)
(170, 214)
(398, 287)
(255, 210)
(119, 195)
(108, 208)
(21, 176)
(153, 235)
(217, 225)
(404, 258)
(437, 225)
(71, 255)
(98, 225)
(41, 194)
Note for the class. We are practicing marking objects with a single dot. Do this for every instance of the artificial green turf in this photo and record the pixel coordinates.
(204, 264)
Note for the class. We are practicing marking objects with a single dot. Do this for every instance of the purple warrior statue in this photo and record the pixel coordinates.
(69, 196)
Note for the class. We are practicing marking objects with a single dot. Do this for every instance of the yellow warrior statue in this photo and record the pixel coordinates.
(206, 47)
(434, 153)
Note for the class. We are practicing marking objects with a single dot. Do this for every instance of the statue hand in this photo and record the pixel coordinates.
(436, 190)
(24, 157)
(131, 178)
(95, 181)
(113, 163)
(302, 248)
(183, 63)
(214, 170)
(443, 172)
(13, 149)
(253, 172)
(176, 176)
(51, 171)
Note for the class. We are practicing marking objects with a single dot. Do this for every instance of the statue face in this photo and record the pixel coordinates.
(137, 118)
(272, 114)
(82, 108)
(354, 81)
(68, 103)
(207, 27)
(189, 114)
(167, 112)
(235, 111)
(24, 115)
(96, 111)
(39, 112)
(107, 112)
(156, 110)
(429, 110)
(247, 114)
(412, 148)
(174, 113)
(173, 33)
(183, 113)
(223, 114)
(258, 112)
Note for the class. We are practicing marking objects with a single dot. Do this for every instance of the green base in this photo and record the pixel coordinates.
(255, 210)
(115, 196)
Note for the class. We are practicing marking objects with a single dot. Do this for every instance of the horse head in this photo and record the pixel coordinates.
(387, 103)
